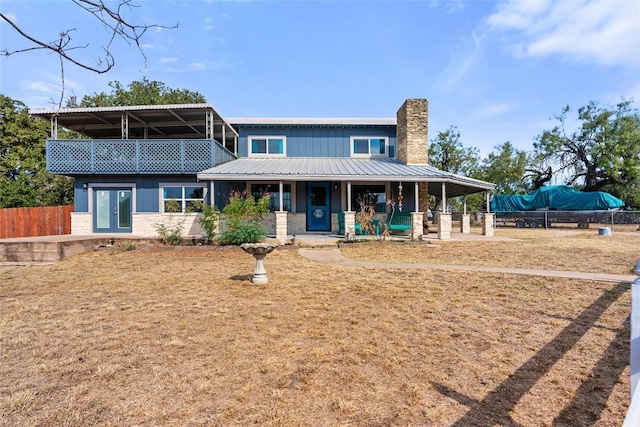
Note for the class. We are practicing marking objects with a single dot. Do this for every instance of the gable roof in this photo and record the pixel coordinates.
(344, 169)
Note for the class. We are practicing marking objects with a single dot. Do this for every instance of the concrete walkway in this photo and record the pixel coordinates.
(334, 256)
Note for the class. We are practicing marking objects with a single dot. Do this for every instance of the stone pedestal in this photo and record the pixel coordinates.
(259, 251)
(487, 224)
(349, 224)
(416, 225)
(444, 226)
(281, 227)
(465, 224)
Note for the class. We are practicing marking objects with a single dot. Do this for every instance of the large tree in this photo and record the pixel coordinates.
(447, 153)
(505, 166)
(24, 180)
(601, 153)
(143, 92)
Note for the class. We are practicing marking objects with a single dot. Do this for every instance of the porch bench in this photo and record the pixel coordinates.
(399, 221)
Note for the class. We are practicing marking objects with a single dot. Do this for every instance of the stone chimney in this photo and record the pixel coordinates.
(412, 133)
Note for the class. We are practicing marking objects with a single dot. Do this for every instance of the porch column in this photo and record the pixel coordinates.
(54, 127)
(487, 224)
(487, 219)
(465, 224)
(417, 195)
(281, 219)
(224, 136)
(444, 198)
(444, 226)
(349, 196)
(281, 227)
(349, 223)
(465, 221)
(416, 225)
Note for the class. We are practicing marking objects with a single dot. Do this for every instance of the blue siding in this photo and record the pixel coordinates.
(147, 188)
(315, 141)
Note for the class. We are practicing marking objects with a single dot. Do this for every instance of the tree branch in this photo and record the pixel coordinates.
(113, 21)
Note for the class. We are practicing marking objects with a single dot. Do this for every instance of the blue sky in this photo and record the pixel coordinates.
(499, 71)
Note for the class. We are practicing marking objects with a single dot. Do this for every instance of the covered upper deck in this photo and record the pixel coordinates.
(176, 121)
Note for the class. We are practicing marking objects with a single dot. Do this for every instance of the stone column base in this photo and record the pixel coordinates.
(487, 224)
(444, 226)
(416, 225)
(349, 224)
(281, 227)
(465, 224)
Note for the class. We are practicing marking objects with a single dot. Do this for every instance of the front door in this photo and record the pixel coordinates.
(112, 210)
(318, 206)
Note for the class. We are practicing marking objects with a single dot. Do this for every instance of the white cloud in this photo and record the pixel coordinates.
(167, 60)
(495, 109)
(41, 87)
(585, 31)
(204, 65)
(460, 63)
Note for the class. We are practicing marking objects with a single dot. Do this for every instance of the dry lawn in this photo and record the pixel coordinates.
(569, 250)
(180, 337)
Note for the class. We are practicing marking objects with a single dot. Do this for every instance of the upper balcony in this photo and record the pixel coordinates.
(134, 156)
(139, 139)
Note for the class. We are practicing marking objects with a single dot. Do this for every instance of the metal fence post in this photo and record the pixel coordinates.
(633, 415)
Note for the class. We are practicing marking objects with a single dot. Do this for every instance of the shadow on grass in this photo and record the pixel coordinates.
(242, 277)
(590, 398)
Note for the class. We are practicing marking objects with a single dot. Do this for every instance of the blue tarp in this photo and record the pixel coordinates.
(555, 197)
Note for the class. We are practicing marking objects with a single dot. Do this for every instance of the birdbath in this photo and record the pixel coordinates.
(259, 251)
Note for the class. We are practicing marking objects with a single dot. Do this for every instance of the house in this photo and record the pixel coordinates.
(142, 165)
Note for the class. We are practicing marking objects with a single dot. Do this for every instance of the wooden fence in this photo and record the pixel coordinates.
(38, 221)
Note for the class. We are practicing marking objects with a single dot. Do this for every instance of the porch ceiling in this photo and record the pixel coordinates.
(344, 169)
(186, 121)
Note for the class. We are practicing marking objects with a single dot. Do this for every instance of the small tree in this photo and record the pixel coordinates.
(242, 219)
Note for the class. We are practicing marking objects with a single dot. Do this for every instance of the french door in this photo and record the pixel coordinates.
(112, 210)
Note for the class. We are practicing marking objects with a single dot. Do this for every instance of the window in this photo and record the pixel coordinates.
(362, 146)
(375, 195)
(182, 198)
(267, 146)
(273, 191)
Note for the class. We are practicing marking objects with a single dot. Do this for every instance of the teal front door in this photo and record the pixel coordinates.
(112, 210)
(318, 206)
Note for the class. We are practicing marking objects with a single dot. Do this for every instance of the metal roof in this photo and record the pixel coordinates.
(187, 121)
(344, 169)
(312, 121)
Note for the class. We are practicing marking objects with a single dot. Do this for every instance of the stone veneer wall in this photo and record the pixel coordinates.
(142, 223)
(412, 135)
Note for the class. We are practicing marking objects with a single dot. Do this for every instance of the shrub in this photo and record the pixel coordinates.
(170, 235)
(209, 221)
(242, 218)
